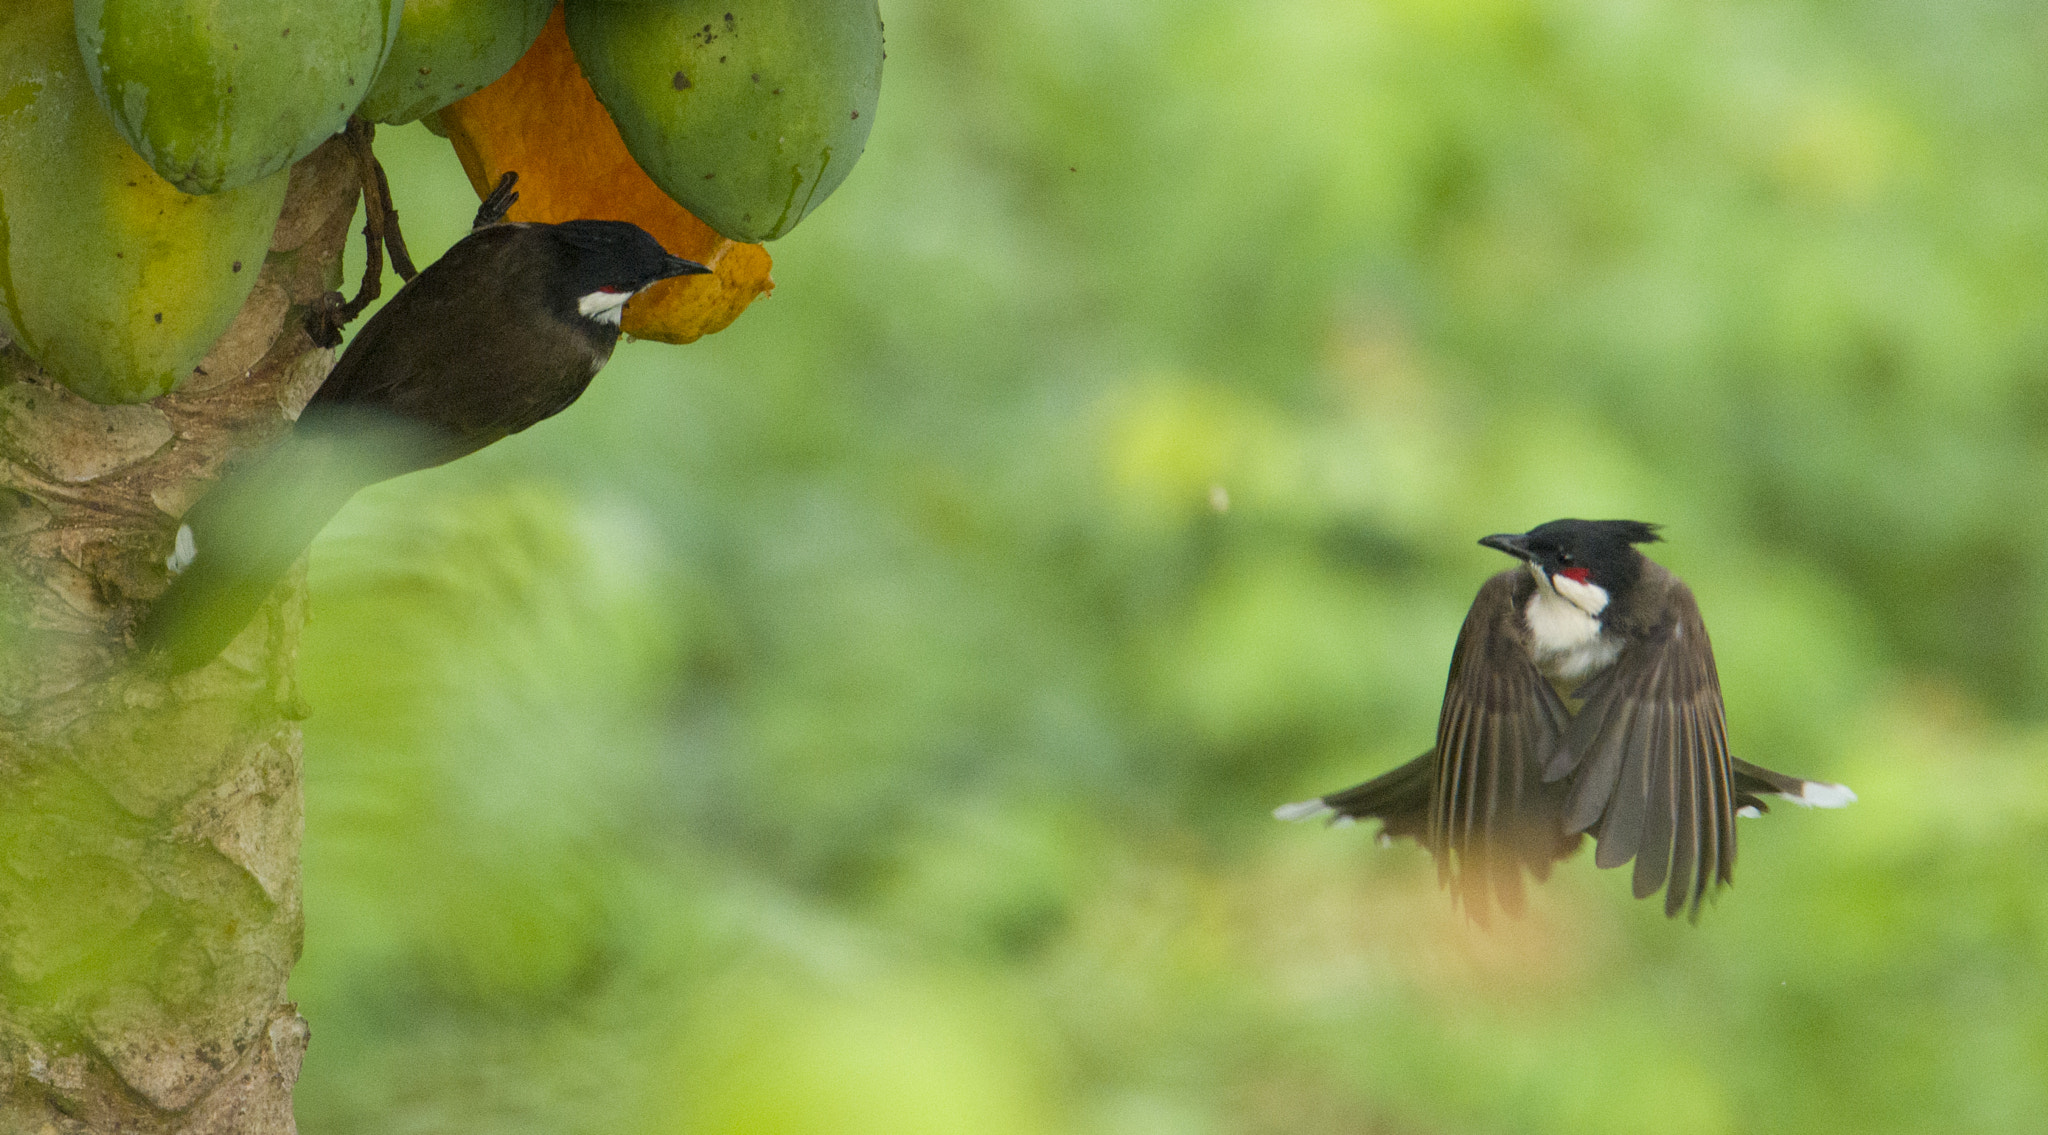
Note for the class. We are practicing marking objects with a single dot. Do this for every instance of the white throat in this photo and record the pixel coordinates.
(605, 307)
(1564, 627)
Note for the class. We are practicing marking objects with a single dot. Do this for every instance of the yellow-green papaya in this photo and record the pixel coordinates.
(111, 279)
(748, 112)
(449, 49)
(218, 93)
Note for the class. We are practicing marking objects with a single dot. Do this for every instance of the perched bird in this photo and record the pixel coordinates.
(506, 329)
(1582, 698)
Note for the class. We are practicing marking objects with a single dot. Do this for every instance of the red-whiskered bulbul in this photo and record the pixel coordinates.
(1582, 699)
(506, 329)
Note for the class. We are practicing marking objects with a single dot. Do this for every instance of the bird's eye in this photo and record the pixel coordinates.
(1564, 557)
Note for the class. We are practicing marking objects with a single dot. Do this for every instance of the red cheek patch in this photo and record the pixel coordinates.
(1576, 574)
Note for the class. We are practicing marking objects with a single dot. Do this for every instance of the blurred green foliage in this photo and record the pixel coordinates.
(866, 719)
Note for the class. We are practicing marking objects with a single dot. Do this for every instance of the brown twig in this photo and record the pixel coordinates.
(380, 232)
(401, 260)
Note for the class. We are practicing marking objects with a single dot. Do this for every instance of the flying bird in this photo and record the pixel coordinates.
(1582, 700)
(503, 331)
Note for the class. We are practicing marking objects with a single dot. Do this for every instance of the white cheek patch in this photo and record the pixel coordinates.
(605, 307)
(1588, 597)
(183, 552)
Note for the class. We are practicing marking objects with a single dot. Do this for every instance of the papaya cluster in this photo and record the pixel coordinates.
(145, 144)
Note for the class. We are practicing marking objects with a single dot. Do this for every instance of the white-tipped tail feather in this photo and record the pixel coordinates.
(183, 552)
(1820, 794)
(1302, 810)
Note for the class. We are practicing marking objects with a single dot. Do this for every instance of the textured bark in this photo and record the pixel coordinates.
(149, 828)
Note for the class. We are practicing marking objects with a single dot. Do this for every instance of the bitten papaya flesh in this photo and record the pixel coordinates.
(218, 93)
(450, 49)
(542, 122)
(748, 112)
(112, 280)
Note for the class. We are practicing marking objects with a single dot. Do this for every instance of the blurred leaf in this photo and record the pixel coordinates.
(879, 711)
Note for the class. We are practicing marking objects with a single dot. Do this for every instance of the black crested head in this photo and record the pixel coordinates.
(1596, 551)
(614, 258)
(1616, 533)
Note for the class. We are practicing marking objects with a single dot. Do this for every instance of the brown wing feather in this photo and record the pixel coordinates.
(392, 367)
(1647, 757)
(1492, 816)
(1479, 800)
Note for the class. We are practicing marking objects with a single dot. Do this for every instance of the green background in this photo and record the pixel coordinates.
(864, 720)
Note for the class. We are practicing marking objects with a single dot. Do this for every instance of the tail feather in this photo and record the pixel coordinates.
(1526, 836)
(1398, 799)
(1754, 782)
(240, 539)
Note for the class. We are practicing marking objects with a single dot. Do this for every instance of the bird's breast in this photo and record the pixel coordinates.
(1567, 644)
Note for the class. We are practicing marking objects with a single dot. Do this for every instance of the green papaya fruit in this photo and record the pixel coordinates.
(447, 49)
(748, 112)
(112, 280)
(218, 93)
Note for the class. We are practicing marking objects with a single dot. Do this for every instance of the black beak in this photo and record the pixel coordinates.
(677, 266)
(1513, 544)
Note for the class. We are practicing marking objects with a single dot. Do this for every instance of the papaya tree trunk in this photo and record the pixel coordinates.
(149, 827)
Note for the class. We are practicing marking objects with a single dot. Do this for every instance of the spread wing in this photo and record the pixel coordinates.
(1647, 760)
(1492, 814)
